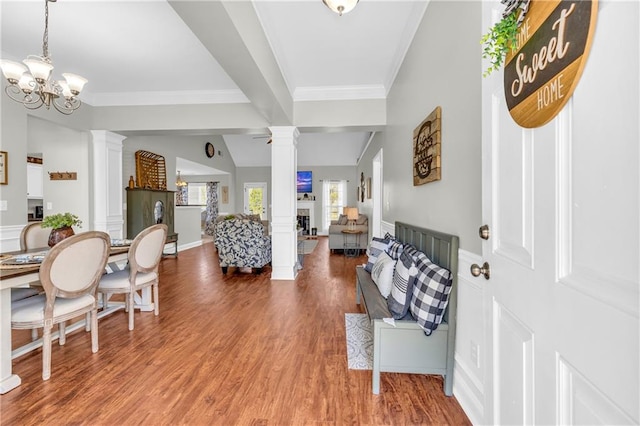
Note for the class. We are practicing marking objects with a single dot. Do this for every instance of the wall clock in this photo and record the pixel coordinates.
(209, 149)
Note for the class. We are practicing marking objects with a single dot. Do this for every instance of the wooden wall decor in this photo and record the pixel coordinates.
(553, 45)
(63, 176)
(4, 168)
(426, 149)
(225, 195)
(151, 171)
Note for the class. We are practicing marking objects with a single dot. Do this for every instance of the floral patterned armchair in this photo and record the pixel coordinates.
(242, 243)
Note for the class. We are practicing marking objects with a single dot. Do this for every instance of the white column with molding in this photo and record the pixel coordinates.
(107, 183)
(284, 163)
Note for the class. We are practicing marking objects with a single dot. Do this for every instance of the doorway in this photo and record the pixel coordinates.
(255, 199)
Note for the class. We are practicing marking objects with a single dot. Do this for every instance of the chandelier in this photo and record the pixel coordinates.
(179, 181)
(32, 85)
(340, 6)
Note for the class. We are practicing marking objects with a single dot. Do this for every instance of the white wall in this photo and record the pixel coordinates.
(442, 68)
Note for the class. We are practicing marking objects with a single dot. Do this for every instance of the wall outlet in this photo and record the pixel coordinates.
(49, 205)
(475, 354)
(3, 205)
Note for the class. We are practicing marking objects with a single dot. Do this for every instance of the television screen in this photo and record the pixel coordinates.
(304, 182)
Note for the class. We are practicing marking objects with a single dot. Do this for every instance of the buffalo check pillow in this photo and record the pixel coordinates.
(430, 293)
(403, 278)
(376, 246)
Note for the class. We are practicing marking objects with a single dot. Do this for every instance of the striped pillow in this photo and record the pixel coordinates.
(376, 246)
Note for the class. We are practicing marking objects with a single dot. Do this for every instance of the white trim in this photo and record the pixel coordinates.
(387, 227)
(339, 93)
(408, 35)
(184, 97)
(10, 237)
(468, 392)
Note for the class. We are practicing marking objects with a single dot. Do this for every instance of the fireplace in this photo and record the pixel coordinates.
(304, 216)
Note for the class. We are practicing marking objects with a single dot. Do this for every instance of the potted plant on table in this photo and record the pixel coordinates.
(61, 226)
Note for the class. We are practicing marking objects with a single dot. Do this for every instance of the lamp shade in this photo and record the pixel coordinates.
(12, 70)
(352, 213)
(341, 6)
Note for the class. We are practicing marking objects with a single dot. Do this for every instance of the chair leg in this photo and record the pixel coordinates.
(34, 334)
(62, 339)
(46, 352)
(87, 322)
(94, 330)
(130, 297)
(224, 270)
(105, 300)
(156, 301)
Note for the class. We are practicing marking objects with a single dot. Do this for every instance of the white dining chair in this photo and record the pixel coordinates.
(141, 271)
(69, 273)
(32, 236)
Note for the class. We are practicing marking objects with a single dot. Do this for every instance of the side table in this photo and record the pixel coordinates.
(351, 245)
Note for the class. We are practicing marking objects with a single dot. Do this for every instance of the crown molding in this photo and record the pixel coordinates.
(184, 97)
(339, 93)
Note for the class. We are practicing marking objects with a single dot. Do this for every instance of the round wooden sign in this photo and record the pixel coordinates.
(553, 45)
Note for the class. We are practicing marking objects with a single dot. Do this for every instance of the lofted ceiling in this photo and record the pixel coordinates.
(270, 54)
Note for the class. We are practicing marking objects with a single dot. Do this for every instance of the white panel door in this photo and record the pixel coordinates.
(562, 205)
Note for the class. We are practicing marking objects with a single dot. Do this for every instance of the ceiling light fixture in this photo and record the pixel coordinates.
(340, 6)
(180, 182)
(35, 88)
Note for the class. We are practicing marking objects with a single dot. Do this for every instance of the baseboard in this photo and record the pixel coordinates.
(467, 392)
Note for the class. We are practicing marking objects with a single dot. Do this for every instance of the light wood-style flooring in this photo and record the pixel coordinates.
(225, 350)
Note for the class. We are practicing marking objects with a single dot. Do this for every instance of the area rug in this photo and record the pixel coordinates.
(309, 246)
(359, 341)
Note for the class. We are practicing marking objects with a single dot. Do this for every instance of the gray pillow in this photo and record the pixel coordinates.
(376, 246)
(342, 219)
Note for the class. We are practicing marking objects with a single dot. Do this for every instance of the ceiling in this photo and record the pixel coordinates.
(157, 52)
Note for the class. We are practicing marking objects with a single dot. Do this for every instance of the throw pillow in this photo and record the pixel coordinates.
(342, 219)
(376, 246)
(382, 274)
(399, 300)
(430, 293)
(395, 249)
(362, 220)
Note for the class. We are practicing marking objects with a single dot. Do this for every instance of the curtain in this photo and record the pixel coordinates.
(212, 207)
(182, 195)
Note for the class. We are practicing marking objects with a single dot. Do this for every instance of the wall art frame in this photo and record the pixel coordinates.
(4, 168)
(427, 149)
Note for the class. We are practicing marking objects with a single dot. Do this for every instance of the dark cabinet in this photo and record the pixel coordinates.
(146, 207)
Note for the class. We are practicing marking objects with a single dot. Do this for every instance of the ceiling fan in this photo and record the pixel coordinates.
(264, 137)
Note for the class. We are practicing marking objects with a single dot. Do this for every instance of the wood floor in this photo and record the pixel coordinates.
(225, 350)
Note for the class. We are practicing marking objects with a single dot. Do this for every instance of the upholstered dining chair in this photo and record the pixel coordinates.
(69, 273)
(141, 271)
(32, 236)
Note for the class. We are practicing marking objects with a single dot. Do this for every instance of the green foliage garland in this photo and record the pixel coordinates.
(500, 38)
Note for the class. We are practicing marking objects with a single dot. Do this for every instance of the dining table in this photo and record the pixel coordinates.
(24, 270)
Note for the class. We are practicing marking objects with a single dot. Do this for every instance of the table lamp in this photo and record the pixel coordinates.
(352, 216)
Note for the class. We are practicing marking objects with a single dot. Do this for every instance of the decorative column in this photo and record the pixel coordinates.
(107, 183)
(284, 163)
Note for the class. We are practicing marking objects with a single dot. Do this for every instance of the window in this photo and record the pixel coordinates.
(334, 199)
(197, 194)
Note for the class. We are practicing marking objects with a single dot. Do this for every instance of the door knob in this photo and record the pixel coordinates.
(484, 270)
(484, 232)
